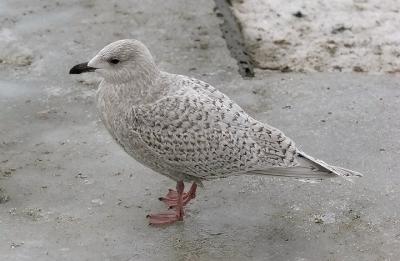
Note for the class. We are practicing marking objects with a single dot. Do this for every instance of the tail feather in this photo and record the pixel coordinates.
(339, 171)
(294, 172)
(309, 168)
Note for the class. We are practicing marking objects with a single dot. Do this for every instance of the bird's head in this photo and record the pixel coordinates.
(120, 61)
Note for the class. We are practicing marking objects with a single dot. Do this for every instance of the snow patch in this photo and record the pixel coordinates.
(342, 35)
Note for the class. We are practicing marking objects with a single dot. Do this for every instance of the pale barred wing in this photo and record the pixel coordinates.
(300, 164)
(266, 136)
(202, 137)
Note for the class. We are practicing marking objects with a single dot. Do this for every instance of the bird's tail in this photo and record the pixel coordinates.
(305, 159)
(308, 168)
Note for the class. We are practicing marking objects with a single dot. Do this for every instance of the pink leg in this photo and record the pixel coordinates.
(170, 216)
(172, 196)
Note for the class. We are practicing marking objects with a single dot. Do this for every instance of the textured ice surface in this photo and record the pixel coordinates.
(341, 35)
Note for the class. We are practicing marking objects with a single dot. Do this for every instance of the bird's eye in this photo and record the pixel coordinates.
(114, 61)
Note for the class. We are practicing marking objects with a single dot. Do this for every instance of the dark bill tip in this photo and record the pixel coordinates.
(81, 68)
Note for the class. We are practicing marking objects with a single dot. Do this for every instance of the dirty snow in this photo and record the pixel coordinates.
(13, 51)
(341, 35)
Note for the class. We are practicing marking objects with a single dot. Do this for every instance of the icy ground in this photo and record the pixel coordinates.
(68, 192)
(322, 36)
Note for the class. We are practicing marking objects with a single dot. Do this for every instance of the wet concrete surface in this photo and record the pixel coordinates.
(70, 193)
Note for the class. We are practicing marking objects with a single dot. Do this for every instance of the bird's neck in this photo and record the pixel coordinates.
(142, 87)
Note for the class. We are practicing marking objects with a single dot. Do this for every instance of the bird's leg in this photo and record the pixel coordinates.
(172, 196)
(180, 187)
(171, 216)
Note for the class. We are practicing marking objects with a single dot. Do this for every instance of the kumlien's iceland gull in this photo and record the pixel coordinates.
(186, 129)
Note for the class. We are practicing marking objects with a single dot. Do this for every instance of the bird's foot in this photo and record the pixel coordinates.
(165, 218)
(170, 217)
(171, 199)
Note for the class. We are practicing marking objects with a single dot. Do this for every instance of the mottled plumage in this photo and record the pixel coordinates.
(184, 128)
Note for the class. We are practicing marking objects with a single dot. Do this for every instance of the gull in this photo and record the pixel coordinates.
(186, 129)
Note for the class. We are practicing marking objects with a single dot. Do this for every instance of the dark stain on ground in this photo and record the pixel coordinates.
(340, 29)
(298, 14)
(3, 196)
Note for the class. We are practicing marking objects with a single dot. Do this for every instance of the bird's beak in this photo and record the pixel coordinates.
(81, 68)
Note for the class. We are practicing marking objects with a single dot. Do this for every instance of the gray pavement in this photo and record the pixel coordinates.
(70, 193)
